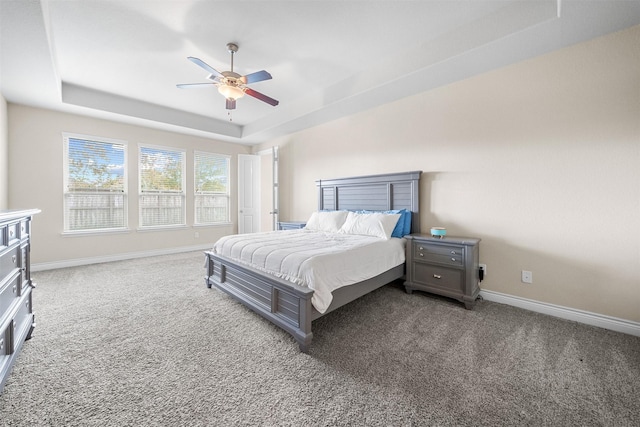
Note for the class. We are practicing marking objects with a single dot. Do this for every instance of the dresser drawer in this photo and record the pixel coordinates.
(441, 277)
(9, 292)
(24, 229)
(13, 233)
(9, 262)
(5, 341)
(4, 236)
(24, 266)
(441, 254)
(22, 320)
(6, 352)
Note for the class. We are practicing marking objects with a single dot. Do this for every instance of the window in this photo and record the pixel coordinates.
(211, 172)
(162, 196)
(95, 184)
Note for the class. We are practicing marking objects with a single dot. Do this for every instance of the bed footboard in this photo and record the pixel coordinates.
(285, 304)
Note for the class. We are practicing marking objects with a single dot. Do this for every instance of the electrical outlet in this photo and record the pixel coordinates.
(527, 276)
(484, 268)
(197, 235)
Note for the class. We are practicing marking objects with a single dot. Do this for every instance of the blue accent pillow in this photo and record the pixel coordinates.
(405, 219)
(403, 226)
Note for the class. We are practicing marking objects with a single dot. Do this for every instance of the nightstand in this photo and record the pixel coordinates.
(447, 266)
(291, 225)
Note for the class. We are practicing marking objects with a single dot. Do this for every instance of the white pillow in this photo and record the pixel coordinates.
(329, 221)
(370, 224)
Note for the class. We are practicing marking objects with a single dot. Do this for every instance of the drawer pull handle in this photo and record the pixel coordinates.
(437, 276)
(15, 289)
(421, 248)
(13, 259)
(453, 259)
(2, 344)
(11, 233)
(453, 252)
(421, 254)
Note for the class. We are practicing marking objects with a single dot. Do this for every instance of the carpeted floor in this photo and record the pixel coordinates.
(145, 343)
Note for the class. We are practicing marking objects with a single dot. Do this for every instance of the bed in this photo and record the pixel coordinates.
(289, 305)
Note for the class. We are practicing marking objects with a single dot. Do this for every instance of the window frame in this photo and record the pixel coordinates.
(197, 194)
(66, 136)
(182, 192)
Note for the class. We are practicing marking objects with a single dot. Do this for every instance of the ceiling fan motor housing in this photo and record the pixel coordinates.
(231, 74)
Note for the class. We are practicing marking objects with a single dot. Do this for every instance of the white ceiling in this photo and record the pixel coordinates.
(122, 59)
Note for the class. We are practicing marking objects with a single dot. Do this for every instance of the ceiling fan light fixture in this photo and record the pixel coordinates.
(231, 92)
(230, 84)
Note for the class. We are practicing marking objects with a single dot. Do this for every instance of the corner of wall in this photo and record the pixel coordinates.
(4, 154)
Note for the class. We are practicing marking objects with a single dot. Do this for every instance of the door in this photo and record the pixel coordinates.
(269, 189)
(275, 189)
(248, 193)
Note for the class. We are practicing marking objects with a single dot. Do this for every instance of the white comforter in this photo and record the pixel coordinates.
(321, 261)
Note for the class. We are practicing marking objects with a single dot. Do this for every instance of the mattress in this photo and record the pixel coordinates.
(318, 260)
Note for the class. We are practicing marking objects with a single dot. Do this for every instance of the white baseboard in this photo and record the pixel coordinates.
(593, 319)
(117, 257)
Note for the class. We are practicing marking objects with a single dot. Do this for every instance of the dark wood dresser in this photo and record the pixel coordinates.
(16, 311)
(447, 266)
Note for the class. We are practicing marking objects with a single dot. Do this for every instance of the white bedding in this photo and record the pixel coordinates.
(319, 260)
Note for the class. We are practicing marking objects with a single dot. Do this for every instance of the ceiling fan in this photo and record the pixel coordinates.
(231, 85)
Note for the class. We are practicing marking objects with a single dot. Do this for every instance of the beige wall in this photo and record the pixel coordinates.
(540, 159)
(4, 156)
(36, 154)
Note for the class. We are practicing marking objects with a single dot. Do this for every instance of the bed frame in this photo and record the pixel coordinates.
(289, 305)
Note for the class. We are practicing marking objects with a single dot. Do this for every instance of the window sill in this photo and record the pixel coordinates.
(80, 233)
(162, 228)
(215, 224)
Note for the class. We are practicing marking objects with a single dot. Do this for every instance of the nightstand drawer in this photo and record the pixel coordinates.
(441, 254)
(438, 249)
(440, 277)
(290, 225)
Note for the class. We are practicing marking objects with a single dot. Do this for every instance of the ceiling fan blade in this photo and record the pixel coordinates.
(231, 104)
(261, 97)
(194, 85)
(200, 63)
(258, 76)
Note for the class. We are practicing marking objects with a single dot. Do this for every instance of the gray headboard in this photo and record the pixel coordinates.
(373, 192)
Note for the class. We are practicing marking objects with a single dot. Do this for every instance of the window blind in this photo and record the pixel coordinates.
(95, 185)
(211, 199)
(161, 178)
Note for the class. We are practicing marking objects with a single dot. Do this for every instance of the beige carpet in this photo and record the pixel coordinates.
(145, 343)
